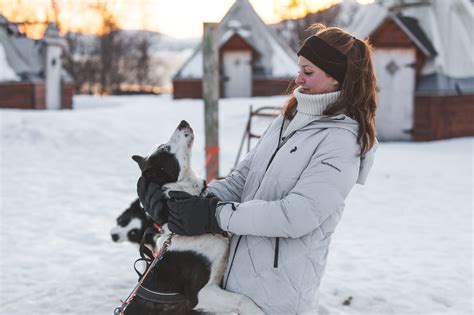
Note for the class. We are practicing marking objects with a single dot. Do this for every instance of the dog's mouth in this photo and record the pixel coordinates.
(187, 131)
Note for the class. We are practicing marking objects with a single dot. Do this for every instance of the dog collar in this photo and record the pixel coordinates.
(157, 226)
(159, 297)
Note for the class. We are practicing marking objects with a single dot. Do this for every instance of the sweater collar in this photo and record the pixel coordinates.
(314, 104)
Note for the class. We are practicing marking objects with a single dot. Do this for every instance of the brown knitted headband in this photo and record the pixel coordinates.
(325, 56)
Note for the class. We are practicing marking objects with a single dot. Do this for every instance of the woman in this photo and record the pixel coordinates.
(283, 201)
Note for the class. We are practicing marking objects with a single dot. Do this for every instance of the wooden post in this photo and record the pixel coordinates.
(210, 92)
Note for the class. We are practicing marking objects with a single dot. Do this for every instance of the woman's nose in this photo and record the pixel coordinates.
(298, 79)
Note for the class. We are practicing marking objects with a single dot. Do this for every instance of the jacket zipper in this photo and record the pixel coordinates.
(280, 144)
(275, 258)
(232, 262)
(277, 241)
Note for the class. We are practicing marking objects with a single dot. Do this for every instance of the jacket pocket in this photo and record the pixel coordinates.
(277, 248)
(262, 253)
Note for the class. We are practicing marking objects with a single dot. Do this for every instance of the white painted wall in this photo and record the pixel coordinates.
(237, 74)
(395, 72)
(53, 77)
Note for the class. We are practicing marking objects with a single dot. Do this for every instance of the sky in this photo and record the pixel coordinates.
(177, 18)
(194, 13)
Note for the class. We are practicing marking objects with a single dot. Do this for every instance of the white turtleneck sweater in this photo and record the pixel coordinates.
(310, 106)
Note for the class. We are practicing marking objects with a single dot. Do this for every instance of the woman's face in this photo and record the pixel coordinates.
(313, 80)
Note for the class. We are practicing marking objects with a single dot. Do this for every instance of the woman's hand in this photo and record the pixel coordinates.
(192, 215)
(152, 198)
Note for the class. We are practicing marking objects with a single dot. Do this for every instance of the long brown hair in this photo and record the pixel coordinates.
(358, 92)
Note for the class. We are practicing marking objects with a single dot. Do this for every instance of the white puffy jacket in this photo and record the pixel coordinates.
(286, 203)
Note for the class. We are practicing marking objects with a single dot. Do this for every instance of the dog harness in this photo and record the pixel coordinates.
(140, 290)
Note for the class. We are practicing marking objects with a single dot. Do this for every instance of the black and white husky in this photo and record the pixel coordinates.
(192, 266)
(131, 224)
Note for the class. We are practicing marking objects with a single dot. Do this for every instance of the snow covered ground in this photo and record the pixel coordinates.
(404, 245)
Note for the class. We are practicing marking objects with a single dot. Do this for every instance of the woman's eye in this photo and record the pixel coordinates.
(308, 73)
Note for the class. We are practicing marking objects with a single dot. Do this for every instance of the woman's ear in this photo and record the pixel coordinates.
(332, 81)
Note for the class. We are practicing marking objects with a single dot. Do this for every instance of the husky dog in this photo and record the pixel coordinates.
(131, 224)
(192, 267)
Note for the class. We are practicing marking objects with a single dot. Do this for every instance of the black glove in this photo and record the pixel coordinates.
(152, 199)
(192, 215)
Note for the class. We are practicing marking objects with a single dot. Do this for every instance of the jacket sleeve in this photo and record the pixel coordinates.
(319, 193)
(231, 187)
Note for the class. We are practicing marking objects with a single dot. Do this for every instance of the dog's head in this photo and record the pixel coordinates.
(131, 224)
(169, 162)
(169, 166)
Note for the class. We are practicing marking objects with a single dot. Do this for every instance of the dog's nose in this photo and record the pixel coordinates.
(115, 237)
(183, 124)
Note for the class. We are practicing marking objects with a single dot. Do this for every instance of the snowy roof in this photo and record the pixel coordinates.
(22, 55)
(6, 72)
(436, 83)
(363, 27)
(446, 29)
(277, 58)
(414, 30)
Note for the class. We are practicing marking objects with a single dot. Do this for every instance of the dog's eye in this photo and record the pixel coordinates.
(133, 233)
(186, 135)
(123, 221)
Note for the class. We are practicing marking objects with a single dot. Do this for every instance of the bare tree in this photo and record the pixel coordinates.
(291, 9)
(69, 63)
(297, 17)
(28, 24)
(111, 49)
(82, 62)
(105, 63)
(143, 61)
(143, 50)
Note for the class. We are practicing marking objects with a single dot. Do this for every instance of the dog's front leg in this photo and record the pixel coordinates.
(214, 299)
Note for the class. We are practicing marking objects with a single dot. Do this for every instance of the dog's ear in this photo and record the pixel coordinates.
(140, 161)
(136, 204)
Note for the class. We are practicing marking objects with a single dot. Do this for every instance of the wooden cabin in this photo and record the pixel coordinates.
(31, 72)
(424, 68)
(253, 60)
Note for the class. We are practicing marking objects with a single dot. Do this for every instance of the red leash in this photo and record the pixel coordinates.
(121, 309)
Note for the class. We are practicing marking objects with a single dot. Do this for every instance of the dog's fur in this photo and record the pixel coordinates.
(193, 266)
(131, 224)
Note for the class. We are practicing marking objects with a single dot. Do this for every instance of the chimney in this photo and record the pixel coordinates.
(54, 45)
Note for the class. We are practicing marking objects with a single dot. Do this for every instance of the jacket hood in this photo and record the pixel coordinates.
(345, 122)
(339, 121)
